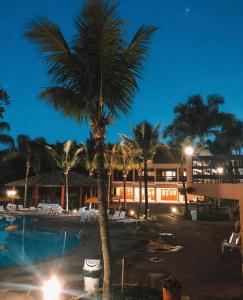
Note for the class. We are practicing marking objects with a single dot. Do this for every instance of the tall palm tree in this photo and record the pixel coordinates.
(145, 141)
(123, 162)
(30, 151)
(90, 160)
(66, 160)
(93, 78)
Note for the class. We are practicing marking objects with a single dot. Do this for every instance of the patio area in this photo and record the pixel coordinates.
(197, 261)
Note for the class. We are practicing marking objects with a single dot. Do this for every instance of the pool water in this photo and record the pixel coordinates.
(29, 243)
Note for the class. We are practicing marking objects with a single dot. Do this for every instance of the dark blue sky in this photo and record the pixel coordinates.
(197, 49)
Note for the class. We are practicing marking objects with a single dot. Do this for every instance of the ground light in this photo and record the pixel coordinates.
(131, 213)
(75, 210)
(174, 210)
(51, 289)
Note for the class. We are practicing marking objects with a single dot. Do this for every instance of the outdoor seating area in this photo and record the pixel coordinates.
(41, 209)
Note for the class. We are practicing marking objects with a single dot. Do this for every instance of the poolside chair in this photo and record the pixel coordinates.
(11, 207)
(20, 207)
(116, 215)
(1, 209)
(119, 216)
(234, 242)
(128, 220)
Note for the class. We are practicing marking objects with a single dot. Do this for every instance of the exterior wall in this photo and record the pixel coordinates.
(163, 184)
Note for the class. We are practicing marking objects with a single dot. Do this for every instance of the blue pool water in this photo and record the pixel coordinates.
(30, 243)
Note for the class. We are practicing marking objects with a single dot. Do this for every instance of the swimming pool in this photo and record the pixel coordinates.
(28, 243)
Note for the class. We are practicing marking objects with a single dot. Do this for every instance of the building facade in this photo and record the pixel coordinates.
(164, 180)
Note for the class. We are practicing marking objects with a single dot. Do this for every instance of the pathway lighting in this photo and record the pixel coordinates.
(51, 289)
(132, 213)
(174, 210)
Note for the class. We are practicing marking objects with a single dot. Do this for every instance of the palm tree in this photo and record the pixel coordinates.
(4, 138)
(196, 119)
(30, 150)
(123, 161)
(66, 160)
(90, 160)
(145, 141)
(110, 165)
(4, 98)
(229, 139)
(93, 79)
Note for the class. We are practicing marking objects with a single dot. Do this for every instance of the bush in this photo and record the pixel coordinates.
(213, 215)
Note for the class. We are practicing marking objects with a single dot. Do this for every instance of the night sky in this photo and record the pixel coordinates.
(198, 49)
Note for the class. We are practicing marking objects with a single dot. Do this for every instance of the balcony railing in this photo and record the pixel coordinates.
(166, 178)
(218, 169)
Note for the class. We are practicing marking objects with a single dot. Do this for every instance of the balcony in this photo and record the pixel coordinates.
(166, 178)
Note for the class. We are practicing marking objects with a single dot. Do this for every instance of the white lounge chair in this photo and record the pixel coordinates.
(234, 241)
(20, 207)
(119, 215)
(128, 220)
(1, 209)
(116, 215)
(11, 207)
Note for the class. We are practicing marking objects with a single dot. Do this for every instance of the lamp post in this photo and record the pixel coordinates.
(188, 151)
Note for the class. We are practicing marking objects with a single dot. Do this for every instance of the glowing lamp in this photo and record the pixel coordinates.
(189, 150)
(11, 193)
(132, 213)
(220, 170)
(51, 289)
(174, 210)
(75, 210)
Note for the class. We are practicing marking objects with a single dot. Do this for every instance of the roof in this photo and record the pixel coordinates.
(55, 178)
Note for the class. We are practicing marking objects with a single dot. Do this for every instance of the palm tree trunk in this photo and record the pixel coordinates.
(109, 189)
(103, 220)
(26, 183)
(66, 183)
(140, 196)
(146, 189)
(124, 191)
(90, 184)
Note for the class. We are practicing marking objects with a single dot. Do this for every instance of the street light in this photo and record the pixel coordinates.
(189, 150)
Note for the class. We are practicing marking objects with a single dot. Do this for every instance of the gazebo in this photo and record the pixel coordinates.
(50, 187)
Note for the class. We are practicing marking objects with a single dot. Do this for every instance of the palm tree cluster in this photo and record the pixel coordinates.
(203, 124)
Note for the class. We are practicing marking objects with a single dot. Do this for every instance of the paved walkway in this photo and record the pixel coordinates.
(196, 262)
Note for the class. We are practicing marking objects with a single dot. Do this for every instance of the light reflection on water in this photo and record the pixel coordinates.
(29, 243)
